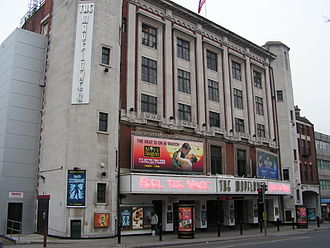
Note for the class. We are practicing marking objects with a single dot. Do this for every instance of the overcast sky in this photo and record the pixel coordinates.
(300, 24)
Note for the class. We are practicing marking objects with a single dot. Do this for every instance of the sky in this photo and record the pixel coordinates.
(300, 24)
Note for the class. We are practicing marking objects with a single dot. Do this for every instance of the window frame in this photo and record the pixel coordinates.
(149, 70)
(103, 122)
(184, 112)
(242, 170)
(214, 122)
(183, 49)
(279, 95)
(261, 131)
(101, 196)
(259, 101)
(216, 166)
(239, 125)
(184, 84)
(236, 69)
(147, 105)
(149, 36)
(286, 174)
(213, 90)
(238, 98)
(257, 79)
(211, 60)
(105, 56)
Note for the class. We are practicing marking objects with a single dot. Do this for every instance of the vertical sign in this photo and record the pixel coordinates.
(185, 219)
(82, 55)
(301, 214)
(76, 189)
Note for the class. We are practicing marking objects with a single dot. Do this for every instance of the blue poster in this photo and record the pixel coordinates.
(267, 165)
(126, 218)
(76, 190)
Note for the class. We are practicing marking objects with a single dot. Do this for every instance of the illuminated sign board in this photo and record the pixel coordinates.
(267, 164)
(277, 188)
(76, 188)
(82, 55)
(167, 155)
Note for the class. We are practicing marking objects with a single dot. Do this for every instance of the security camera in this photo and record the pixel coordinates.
(102, 165)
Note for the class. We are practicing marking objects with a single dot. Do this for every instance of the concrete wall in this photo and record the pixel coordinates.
(22, 64)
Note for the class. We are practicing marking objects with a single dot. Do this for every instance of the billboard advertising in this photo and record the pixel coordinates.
(185, 219)
(167, 155)
(76, 188)
(301, 215)
(267, 165)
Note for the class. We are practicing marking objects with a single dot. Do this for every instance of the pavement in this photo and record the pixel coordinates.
(168, 239)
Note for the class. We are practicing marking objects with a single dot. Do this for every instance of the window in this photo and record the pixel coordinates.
(124, 25)
(212, 60)
(216, 165)
(239, 125)
(306, 173)
(183, 49)
(241, 163)
(105, 56)
(238, 99)
(236, 70)
(101, 193)
(213, 90)
(291, 115)
(184, 81)
(44, 28)
(308, 148)
(286, 175)
(214, 119)
(261, 130)
(149, 70)
(279, 95)
(103, 122)
(259, 106)
(257, 79)
(149, 36)
(298, 195)
(184, 112)
(295, 154)
(311, 172)
(148, 104)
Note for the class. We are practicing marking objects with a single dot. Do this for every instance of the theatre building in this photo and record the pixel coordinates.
(182, 108)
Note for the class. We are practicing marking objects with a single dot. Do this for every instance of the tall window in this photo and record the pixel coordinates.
(184, 81)
(148, 104)
(149, 36)
(241, 163)
(212, 60)
(261, 130)
(184, 112)
(149, 70)
(214, 119)
(213, 90)
(257, 79)
(286, 175)
(239, 125)
(216, 165)
(101, 193)
(103, 122)
(311, 172)
(236, 70)
(105, 56)
(238, 99)
(279, 94)
(259, 106)
(183, 49)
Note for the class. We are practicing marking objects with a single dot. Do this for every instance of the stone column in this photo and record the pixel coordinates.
(249, 93)
(269, 102)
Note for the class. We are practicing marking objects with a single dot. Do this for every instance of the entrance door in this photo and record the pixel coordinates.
(214, 213)
(42, 221)
(239, 211)
(158, 210)
(14, 218)
(75, 229)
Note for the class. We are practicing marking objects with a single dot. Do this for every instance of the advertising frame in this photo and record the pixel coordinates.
(76, 188)
(186, 221)
(301, 217)
(101, 220)
(267, 164)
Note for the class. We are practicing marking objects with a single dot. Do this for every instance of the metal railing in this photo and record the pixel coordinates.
(32, 9)
(13, 227)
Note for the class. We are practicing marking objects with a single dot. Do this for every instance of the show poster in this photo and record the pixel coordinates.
(301, 214)
(76, 188)
(126, 221)
(167, 155)
(137, 217)
(101, 220)
(185, 219)
(267, 165)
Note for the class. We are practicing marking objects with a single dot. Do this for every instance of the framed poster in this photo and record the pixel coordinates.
(126, 220)
(137, 218)
(267, 164)
(302, 218)
(101, 220)
(185, 219)
(311, 213)
(76, 188)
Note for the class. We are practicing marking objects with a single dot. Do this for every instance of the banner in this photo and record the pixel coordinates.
(167, 155)
(267, 165)
(76, 188)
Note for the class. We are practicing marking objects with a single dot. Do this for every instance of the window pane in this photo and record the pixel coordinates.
(238, 99)
(214, 119)
(149, 36)
(184, 112)
(105, 56)
(212, 60)
(216, 165)
(149, 70)
(184, 81)
(148, 104)
(257, 79)
(183, 49)
(236, 70)
(213, 89)
(101, 192)
(103, 122)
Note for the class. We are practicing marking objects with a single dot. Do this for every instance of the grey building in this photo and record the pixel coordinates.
(22, 63)
(322, 143)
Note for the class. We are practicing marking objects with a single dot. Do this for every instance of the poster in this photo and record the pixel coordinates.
(76, 188)
(311, 213)
(185, 219)
(167, 155)
(267, 164)
(301, 214)
(126, 221)
(101, 220)
(137, 217)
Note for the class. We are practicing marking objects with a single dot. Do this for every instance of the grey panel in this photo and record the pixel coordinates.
(19, 184)
(21, 170)
(20, 156)
(30, 51)
(21, 142)
(29, 63)
(27, 37)
(4, 89)
(26, 102)
(27, 115)
(2, 140)
(27, 76)
(23, 128)
(26, 88)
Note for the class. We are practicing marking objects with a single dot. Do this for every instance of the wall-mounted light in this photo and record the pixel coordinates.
(254, 135)
(231, 130)
(171, 117)
(106, 69)
(131, 109)
(204, 124)
(103, 174)
(274, 139)
(75, 168)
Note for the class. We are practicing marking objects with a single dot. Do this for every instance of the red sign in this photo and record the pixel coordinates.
(167, 155)
(301, 215)
(185, 219)
(101, 220)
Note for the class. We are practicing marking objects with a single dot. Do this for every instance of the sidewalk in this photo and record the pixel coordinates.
(146, 241)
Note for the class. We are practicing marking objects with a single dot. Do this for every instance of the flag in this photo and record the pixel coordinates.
(201, 3)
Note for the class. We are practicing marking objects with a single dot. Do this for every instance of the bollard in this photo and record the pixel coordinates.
(318, 221)
(278, 224)
(160, 232)
(260, 225)
(218, 228)
(292, 223)
(241, 227)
